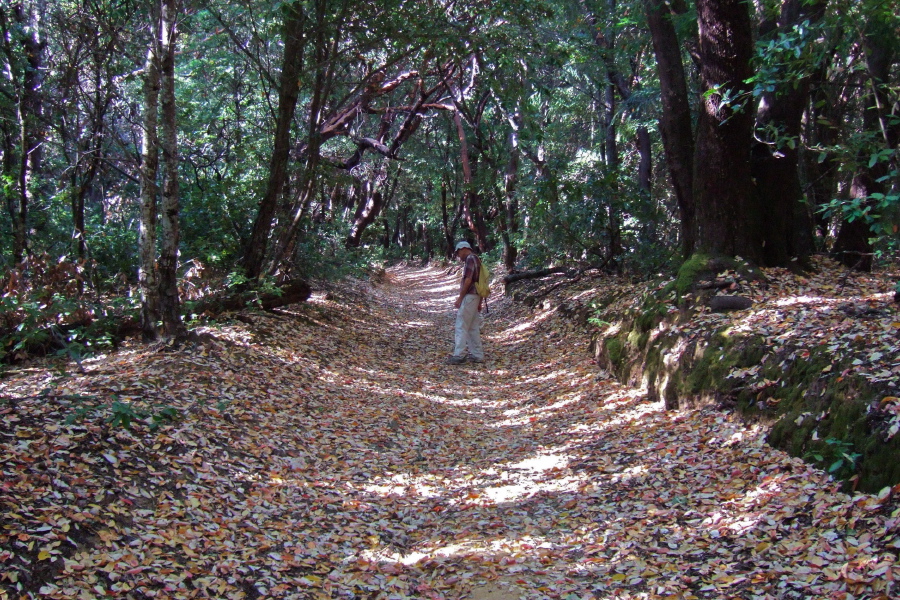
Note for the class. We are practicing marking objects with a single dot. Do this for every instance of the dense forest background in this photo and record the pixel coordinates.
(157, 152)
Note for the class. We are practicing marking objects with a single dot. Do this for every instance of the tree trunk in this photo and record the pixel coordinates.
(727, 222)
(290, 292)
(370, 206)
(822, 120)
(470, 212)
(288, 93)
(369, 209)
(448, 227)
(675, 123)
(787, 225)
(645, 167)
(169, 305)
(853, 246)
(148, 277)
(24, 50)
(509, 220)
(612, 165)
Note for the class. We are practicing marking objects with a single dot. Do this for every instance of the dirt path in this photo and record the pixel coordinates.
(328, 452)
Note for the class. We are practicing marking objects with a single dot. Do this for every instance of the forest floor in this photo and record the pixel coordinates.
(326, 451)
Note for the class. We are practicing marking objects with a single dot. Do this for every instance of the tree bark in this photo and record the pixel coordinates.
(537, 274)
(675, 123)
(290, 292)
(645, 167)
(169, 305)
(148, 277)
(470, 212)
(25, 67)
(509, 210)
(369, 209)
(288, 93)
(727, 222)
(787, 225)
(853, 246)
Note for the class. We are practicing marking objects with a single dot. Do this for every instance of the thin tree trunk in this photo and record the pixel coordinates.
(288, 93)
(510, 205)
(645, 167)
(853, 246)
(27, 76)
(323, 48)
(148, 277)
(170, 307)
(823, 114)
(369, 210)
(470, 199)
(675, 122)
(727, 222)
(612, 165)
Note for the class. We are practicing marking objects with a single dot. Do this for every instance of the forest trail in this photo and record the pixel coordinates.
(326, 451)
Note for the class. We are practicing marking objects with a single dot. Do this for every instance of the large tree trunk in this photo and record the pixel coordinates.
(288, 93)
(148, 277)
(170, 307)
(727, 222)
(787, 225)
(675, 123)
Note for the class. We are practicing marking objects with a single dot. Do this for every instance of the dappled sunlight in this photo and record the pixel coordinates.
(329, 447)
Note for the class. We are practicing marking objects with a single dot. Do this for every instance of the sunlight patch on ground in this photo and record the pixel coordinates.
(636, 413)
(529, 477)
(417, 324)
(525, 325)
(404, 483)
(522, 416)
(473, 546)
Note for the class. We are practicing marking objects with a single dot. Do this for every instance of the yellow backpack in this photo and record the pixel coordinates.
(483, 283)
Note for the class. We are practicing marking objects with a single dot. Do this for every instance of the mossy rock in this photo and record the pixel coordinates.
(700, 267)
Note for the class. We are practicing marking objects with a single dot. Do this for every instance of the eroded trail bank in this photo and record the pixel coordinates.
(326, 451)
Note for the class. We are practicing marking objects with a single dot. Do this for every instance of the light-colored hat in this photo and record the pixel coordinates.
(462, 245)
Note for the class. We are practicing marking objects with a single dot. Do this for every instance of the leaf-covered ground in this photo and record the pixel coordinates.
(327, 452)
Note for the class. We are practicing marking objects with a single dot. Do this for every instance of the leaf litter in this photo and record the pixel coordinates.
(326, 451)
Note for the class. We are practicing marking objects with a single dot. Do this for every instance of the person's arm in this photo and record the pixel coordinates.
(465, 284)
(463, 287)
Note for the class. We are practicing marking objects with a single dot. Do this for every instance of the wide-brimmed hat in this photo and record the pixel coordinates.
(462, 245)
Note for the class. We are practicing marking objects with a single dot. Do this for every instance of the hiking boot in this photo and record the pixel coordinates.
(456, 360)
(473, 359)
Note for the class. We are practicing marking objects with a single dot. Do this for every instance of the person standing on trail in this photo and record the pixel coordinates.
(468, 315)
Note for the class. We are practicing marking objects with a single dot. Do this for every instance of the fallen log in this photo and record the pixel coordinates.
(289, 293)
(512, 277)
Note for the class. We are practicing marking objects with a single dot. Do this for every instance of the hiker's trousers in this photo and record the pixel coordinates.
(468, 328)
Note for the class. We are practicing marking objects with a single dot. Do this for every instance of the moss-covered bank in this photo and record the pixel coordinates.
(817, 407)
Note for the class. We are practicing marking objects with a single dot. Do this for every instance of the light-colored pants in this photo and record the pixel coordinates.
(468, 328)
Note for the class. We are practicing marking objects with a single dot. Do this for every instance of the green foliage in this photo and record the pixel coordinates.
(837, 455)
(879, 210)
(46, 314)
(122, 414)
(322, 255)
